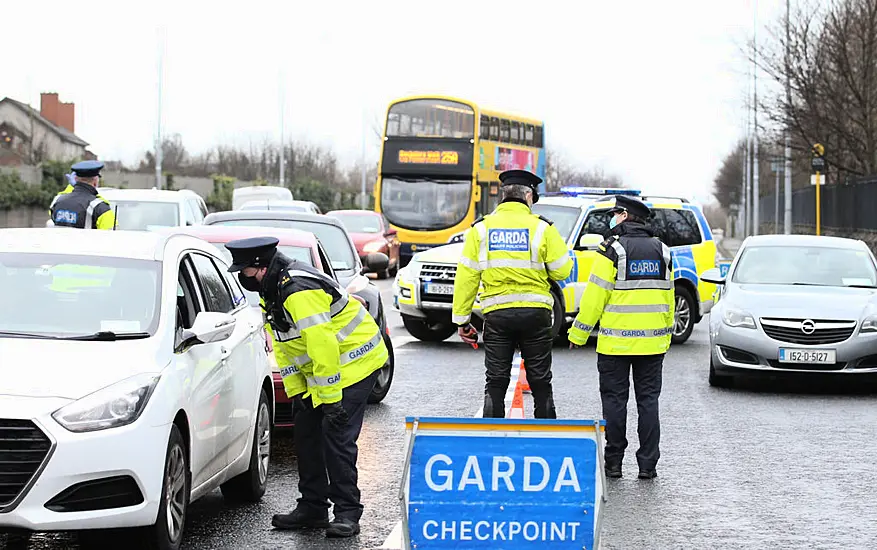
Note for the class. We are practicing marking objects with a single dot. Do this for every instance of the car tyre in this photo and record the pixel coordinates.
(167, 532)
(558, 320)
(427, 332)
(250, 486)
(385, 375)
(683, 318)
(718, 380)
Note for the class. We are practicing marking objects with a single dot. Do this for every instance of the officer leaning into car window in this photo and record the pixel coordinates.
(513, 253)
(80, 205)
(329, 350)
(630, 293)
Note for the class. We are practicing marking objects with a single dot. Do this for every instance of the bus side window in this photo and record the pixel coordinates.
(494, 128)
(504, 129)
(528, 135)
(537, 142)
(516, 132)
(484, 132)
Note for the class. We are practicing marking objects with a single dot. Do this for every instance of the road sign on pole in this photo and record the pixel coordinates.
(500, 483)
(818, 166)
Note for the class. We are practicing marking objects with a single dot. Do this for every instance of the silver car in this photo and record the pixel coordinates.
(794, 304)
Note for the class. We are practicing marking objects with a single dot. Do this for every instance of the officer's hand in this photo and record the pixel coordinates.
(574, 346)
(468, 334)
(335, 415)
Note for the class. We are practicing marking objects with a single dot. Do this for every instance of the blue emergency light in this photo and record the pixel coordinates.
(598, 191)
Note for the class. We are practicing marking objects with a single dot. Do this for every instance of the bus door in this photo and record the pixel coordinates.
(489, 198)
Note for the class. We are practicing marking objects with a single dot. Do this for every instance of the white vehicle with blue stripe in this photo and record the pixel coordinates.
(423, 290)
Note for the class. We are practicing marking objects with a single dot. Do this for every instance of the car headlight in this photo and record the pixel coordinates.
(112, 407)
(458, 238)
(869, 325)
(373, 246)
(737, 318)
(406, 274)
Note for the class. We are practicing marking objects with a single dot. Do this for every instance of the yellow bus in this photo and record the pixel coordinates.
(440, 164)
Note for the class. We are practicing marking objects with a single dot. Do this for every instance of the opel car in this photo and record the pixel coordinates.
(795, 305)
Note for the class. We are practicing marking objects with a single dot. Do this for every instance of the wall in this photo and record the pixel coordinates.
(24, 217)
(28, 174)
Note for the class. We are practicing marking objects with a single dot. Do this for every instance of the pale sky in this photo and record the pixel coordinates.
(651, 91)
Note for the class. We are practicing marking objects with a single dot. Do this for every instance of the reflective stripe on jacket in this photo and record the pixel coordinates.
(630, 293)
(512, 253)
(325, 341)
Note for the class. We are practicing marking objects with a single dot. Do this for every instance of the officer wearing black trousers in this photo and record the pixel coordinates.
(630, 294)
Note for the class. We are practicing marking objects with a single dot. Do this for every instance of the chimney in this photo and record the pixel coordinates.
(65, 116)
(49, 107)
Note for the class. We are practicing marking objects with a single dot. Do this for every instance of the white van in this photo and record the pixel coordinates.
(243, 195)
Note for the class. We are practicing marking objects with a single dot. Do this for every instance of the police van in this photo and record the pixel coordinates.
(423, 290)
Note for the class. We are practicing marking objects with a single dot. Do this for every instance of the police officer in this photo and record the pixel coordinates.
(80, 206)
(513, 253)
(329, 350)
(630, 293)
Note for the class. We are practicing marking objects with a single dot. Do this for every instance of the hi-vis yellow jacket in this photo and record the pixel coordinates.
(512, 252)
(630, 293)
(324, 340)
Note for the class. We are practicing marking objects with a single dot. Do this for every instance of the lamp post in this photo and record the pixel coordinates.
(777, 166)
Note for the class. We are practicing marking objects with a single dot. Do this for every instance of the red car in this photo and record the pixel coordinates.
(298, 245)
(371, 233)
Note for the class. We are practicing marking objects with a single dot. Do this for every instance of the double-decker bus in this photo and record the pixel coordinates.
(440, 164)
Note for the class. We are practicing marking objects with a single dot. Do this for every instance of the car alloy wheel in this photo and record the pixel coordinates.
(682, 316)
(264, 429)
(175, 498)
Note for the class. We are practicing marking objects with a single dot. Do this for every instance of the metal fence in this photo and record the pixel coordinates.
(849, 206)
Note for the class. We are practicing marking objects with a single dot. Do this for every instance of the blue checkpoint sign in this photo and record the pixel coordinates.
(724, 266)
(503, 484)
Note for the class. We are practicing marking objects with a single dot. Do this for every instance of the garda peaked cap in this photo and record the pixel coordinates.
(87, 168)
(252, 252)
(631, 205)
(520, 177)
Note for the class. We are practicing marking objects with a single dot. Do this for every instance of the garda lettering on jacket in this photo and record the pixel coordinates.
(643, 268)
(334, 379)
(508, 240)
(66, 216)
(360, 351)
(289, 371)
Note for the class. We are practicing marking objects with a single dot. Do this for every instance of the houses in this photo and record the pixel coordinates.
(28, 136)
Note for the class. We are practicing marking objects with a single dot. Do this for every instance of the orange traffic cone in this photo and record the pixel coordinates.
(517, 408)
(525, 386)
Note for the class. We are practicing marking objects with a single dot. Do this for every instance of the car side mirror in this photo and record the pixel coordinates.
(375, 263)
(590, 241)
(209, 327)
(713, 276)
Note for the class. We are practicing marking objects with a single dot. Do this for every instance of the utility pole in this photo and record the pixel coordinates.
(363, 202)
(787, 222)
(158, 141)
(282, 109)
(755, 189)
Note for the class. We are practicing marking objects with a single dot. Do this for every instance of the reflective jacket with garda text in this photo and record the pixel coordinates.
(324, 340)
(513, 253)
(630, 293)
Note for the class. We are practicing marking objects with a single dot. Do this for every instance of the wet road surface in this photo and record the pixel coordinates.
(774, 465)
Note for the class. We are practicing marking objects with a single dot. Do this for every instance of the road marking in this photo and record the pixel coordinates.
(394, 540)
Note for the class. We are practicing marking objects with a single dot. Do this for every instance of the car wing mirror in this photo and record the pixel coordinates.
(209, 327)
(713, 275)
(590, 241)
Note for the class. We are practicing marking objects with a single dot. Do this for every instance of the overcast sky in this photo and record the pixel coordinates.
(651, 91)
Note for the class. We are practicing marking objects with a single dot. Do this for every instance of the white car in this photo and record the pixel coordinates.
(290, 206)
(144, 209)
(243, 195)
(134, 379)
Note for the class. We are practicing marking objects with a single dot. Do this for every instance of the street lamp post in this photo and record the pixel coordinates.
(777, 167)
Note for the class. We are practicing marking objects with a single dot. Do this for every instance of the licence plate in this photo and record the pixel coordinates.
(812, 356)
(436, 288)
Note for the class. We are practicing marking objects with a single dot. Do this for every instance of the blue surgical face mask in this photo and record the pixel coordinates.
(613, 222)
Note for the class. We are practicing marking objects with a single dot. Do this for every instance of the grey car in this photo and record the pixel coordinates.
(797, 304)
(345, 261)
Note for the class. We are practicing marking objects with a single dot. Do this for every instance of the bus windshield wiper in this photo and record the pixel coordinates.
(861, 286)
(109, 336)
(431, 180)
